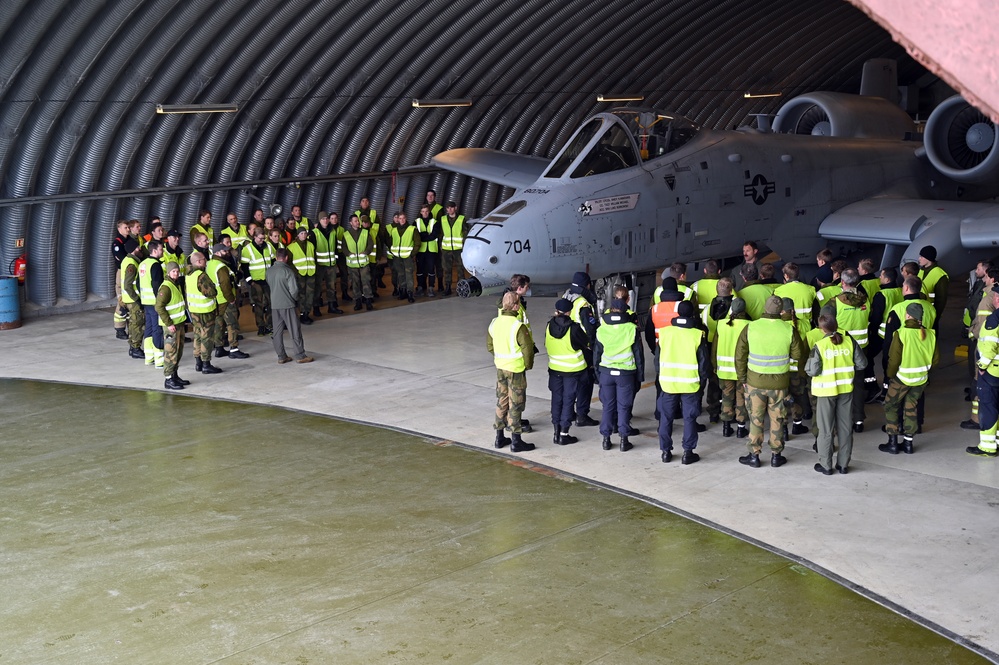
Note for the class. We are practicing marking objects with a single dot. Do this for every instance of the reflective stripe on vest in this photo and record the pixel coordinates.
(930, 279)
(175, 308)
(769, 346)
(197, 302)
(238, 236)
(356, 256)
(678, 359)
(507, 354)
(453, 233)
(706, 289)
(561, 356)
(257, 261)
(837, 368)
(892, 297)
(213, 268)
(929, 313)
(373, 254)
(617, 340)
(853, 319)
(917, 355)
(304, 259)
(402, 243)
(146, 294)
(325, 247)
(727, 337)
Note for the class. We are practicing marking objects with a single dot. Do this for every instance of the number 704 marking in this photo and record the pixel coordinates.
(517, 246)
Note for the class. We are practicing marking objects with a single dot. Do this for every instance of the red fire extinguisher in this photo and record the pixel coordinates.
(20, 268)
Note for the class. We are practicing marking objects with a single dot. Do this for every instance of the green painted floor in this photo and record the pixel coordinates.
(141, 527)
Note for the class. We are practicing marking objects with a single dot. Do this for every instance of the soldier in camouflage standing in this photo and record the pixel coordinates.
(512, 347)
(763, 356)
(733, 402)
(226, 328)
(170, 308)
(201, 294)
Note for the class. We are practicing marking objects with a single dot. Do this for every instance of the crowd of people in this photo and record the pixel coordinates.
(756, 346)
(288, 270)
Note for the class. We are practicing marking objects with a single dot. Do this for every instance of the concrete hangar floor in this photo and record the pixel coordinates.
(271, 523)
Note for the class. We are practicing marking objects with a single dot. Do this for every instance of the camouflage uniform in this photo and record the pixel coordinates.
(902, 396)
(226, 327)
(204, 332)
(173, 349)
(511, 397)
(763, 403)
(733, 401)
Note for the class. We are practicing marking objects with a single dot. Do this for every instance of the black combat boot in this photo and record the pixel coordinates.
(208, 368)
(518, 445)
(606, 443)
(172, 384)
(334, 308)
(221, 352)
(891, 446)
(120, 333)
(358, 304)
(906, 444)
(409, 296)
(500, 439)
(777, 460)
(741, 431)
(625, 444)
(198, 364)
(368, 304)
(798, 428)
(727, 429)
(236, 354)
(690, 457)
(752, 459)
(179, 380)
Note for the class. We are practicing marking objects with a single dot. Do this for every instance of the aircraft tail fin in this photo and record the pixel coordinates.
(880, 79)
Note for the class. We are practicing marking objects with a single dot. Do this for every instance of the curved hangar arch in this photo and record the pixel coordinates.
(326, 87)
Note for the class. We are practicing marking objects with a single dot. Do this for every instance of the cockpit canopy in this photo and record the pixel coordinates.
(620, 139)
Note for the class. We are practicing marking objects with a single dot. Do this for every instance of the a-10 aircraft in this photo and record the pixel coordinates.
(634, 190)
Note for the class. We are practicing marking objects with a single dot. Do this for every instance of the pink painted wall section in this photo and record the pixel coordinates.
(955, 39)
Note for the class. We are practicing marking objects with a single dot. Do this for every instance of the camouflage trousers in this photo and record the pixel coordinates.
(260, 297)
(173, 349)
(762, 403)
(798, 388)
(511, 396)
(204, 328)
(360, 282)
(326, 286)
(404, 274)
(226, 326)
(136, 324)
(903, 398)
(451, 261)
(306, 293)
(733, 401)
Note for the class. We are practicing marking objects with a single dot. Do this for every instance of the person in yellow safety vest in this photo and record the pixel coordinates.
(854, 317)
(226, 328)
(150, 279)
(833, 364)
(716, 311)
(797, 382)
(296, 221)
(584, 312)
(303, 254)
(403, 241)
(733, 397)
(170, 309)
(936, 281)
(512, 347)
(754, 293)
(566, 344)
(201, 293)
(706, 288)
(156, 232)
(378, 236)
(983, 310)
(453, 239)
(987, 353)
(172, 251)
(375, 270)
(763, 356)
(678, 272)
(364, 209)
(827, 289)
(135, 231)
(912, 291)
(768, 276)
(236, 231)
(118, 253)
(257, 256)
(683, 368)
(429, 230)
(870, 283)
(324, 237)
(357, 244)
(521, 286)
(912, 352)
(801, 294)
(203, 225)
(620, 362)
(202, 247)
(436, 212)
(130, 297)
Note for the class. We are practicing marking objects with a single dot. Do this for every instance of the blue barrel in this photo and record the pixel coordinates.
(10, 304)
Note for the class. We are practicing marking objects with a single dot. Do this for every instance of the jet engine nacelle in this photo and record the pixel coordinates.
(843, 115)
(960, 142)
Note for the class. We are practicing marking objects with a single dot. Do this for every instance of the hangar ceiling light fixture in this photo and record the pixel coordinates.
(620, 98)
(196, 108)
(758, 95)
(440, 103)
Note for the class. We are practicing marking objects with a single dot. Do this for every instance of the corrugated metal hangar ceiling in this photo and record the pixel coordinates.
(326, 87)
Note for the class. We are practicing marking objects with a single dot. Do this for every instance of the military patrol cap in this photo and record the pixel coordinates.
(174, 233)
(915, 310)
(219, 247)
(563, 305)
(787, 305)
(302, 229)
(738, 306)
(773, 305)
(172, 265)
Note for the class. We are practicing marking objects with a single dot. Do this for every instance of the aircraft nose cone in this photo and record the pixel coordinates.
(481, 259)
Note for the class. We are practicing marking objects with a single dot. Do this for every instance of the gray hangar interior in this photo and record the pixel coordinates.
(325, 87)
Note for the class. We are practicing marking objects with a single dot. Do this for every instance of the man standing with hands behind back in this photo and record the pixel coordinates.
(283, 284)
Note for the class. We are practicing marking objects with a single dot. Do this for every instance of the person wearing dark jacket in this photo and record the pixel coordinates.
(584, 313)
(565, 343)
(683, 368)
(620, 362)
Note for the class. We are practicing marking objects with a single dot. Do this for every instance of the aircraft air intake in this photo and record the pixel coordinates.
(960, 142)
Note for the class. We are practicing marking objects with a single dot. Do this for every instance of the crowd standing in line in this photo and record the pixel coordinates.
(287, 270)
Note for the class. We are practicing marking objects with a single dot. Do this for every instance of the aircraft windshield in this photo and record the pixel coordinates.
(612, 152)
(655, 132)
(573, 150)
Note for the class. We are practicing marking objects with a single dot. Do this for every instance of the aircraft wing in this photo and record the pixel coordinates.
(958, 229)
(504, 168)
